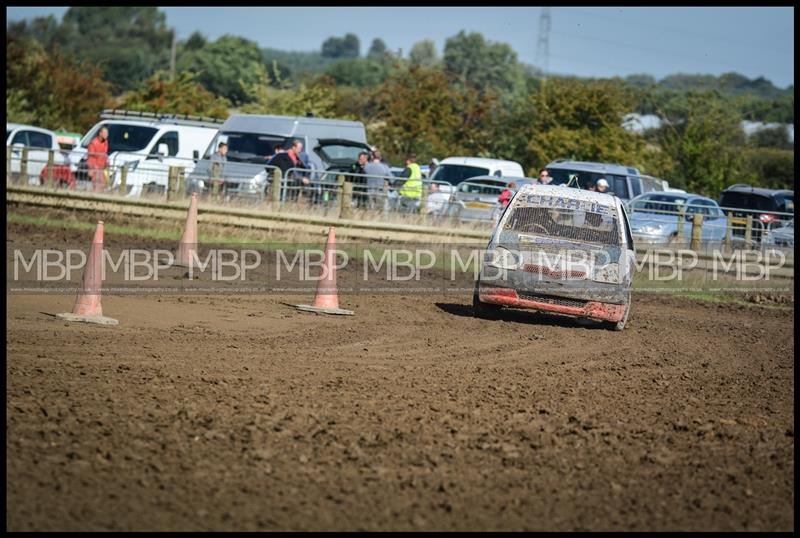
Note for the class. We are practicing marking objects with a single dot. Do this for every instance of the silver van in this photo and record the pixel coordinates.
(624, 182)
(332, 145)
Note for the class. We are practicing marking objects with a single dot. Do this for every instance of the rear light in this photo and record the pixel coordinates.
(766, 218)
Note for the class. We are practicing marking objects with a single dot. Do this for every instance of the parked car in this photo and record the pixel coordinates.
(147, 145)
(559, 250)
(766, 206)
(39, 143)
(67, 140)
(781, 236)
(653, 184)
(624, 181)
(454, 170)
(477, 199)
(332, 146)
(654, 217)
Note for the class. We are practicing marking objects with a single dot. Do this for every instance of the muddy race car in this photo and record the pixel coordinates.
(559, 250)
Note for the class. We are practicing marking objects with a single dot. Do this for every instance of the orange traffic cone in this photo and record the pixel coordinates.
(188, 244)
(327, 301)
(87, 305)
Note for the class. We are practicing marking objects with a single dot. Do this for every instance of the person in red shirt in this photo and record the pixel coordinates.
(506, 195)
(97, 160)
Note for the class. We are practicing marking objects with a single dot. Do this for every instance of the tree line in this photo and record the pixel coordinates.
(476, 98)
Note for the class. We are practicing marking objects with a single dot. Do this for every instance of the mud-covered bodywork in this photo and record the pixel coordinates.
(560, 250)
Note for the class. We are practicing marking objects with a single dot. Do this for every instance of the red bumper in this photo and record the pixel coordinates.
(592, 309)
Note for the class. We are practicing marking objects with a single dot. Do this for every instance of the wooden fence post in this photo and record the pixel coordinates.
(346, 210)
(277, 179)
(180, 172)
(748, 229)
(423, 197)
(728, 229)
(170, 182)
(681, 225)
(340, 180)
(23, 166)
(51, 154)
(216, 172)
(697, 228)
(123, 179)
(8, 163)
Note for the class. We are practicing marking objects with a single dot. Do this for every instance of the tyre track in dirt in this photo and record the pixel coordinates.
(238, 412)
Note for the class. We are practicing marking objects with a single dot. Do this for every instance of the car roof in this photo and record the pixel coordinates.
(478, 161)
(155, 124)
(590, 166)
(758, 191)
(12, 126)
(563, 191)
(503, 179)
(296, 125)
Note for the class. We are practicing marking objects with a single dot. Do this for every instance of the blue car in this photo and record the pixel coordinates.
(654, 217)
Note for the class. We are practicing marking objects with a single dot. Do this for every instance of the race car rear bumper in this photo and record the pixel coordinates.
(551, 303)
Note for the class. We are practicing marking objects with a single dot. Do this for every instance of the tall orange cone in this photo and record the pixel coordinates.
(188, 244)
(87, 305)
(327, 300)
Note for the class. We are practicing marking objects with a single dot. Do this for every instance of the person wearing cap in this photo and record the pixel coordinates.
(602, 186)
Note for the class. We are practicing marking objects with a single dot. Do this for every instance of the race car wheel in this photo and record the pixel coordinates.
(484, 310)
(619, 325)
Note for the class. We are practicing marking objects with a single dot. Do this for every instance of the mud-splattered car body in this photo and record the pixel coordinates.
(560, 250)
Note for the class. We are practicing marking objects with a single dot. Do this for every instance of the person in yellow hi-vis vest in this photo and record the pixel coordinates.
(411, 191)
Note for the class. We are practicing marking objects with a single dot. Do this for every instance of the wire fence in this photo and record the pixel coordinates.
(352, 195)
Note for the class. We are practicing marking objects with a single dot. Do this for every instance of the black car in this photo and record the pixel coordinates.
(768, 206)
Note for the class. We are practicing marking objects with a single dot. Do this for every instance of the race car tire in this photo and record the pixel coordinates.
(484, 310)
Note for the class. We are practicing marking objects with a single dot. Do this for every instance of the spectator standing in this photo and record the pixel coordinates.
(287, 160)
(277, 150)
(97, 159)
(544, 177)
(432, 167)
(359, 193)
(375, 168)
(504, 199)
(218, 161)
(506, 195)
(411, 191)
(602, 186)
(221, 155)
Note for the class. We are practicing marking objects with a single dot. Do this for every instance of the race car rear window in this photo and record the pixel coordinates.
(570, 224)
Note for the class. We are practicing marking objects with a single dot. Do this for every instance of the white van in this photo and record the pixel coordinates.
(454, 170)
(147, 144)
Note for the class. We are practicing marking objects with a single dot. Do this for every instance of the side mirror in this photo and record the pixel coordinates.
(162, 150)
(18, 145)
(195, 155)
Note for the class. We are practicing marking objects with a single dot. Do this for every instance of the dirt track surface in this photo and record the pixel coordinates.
(240, 413)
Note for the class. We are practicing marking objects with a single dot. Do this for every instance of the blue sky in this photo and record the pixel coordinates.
(597, 42)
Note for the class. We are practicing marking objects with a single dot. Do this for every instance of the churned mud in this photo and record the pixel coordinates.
(237, 412)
